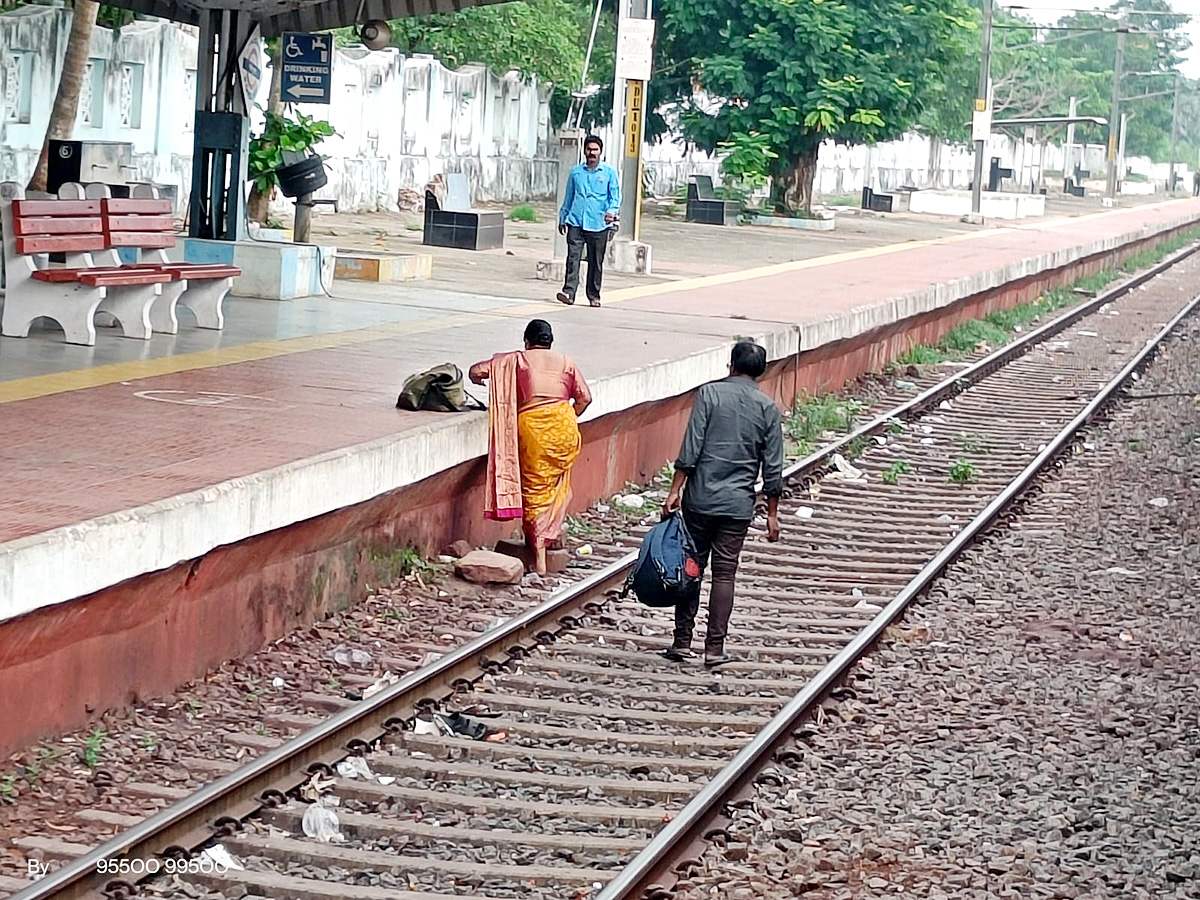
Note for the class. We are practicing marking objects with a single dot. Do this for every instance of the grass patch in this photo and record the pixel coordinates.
(814, 417)
(523, 213)
(998, 328)
(581, 529)
(971, 443)
(922, 355)
(92, 747)
(891, 475)
(969, 335)
(962, 471)
(401, 563)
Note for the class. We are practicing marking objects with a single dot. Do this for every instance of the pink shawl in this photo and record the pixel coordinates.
(502, 490)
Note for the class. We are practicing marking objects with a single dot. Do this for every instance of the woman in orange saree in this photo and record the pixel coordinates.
(535, 399)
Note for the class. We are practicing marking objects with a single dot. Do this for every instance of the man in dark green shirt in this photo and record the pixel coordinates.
(734, 432)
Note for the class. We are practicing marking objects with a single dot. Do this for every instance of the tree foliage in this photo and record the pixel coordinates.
(1036, 72)
(800, 72)
(542, 38)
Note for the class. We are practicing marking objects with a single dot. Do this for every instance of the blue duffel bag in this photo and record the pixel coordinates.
(666, 566)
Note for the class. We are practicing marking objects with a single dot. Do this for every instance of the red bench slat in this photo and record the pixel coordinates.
(57, 225)
(119, 206)
(139, 223)
(197, 271)
(59, 244)
(62, 276)
(151, 240)
(22, 208)
(117, 278)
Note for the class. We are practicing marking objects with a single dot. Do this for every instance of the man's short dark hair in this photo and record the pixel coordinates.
(593, 139)
(748, 358)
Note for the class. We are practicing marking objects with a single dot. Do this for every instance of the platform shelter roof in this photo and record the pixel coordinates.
(278, 16)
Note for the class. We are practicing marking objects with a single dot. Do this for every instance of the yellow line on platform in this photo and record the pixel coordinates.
(114, 373)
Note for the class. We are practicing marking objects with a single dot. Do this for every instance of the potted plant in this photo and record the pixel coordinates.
(273, 153)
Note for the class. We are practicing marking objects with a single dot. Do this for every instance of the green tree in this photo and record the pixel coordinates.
(543, 38)
(1155, 45)
(1036, 72)
(804, 71)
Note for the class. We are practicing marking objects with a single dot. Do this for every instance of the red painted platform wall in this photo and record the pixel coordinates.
(152, 633)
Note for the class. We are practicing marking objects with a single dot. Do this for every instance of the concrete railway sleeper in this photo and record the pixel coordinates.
(616, 763)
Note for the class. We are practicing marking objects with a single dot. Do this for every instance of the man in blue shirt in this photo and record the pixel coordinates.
(587, 217)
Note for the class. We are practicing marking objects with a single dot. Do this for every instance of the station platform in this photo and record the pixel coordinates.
(265, 472)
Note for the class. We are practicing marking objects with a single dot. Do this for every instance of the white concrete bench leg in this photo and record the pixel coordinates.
(131, 305)
(163, 317)
(72, 306)
(204, 298)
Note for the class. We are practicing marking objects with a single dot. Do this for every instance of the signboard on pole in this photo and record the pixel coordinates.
(981, 125)
(635, 93)
(250, 68)
(307, 68)
(635, 49)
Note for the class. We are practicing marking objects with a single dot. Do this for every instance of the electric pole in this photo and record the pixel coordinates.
(1114, 119)
(982, 104)
(1174, 136)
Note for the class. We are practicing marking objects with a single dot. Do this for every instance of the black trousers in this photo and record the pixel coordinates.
(721, 538)
(597, 245)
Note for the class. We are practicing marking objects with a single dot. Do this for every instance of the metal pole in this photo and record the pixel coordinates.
(1070, 149)
(1121, 150)
(982, 101)
(1174, 136)
(303, 222)
(631, 133)
(1114, 118)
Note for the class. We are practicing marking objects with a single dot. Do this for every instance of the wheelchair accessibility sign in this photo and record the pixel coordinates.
(307, 69)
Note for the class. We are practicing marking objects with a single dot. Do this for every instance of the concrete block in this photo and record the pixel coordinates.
(486, 567)
(556, 560)
(270, 270)
(822, 224)
(630, 257)
(551, 270)
(995, 205)
(356, 265)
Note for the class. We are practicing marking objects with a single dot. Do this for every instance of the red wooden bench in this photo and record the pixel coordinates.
(70, 295)
(148, 225)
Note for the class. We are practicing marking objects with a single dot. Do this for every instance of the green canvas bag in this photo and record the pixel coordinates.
(440, 389)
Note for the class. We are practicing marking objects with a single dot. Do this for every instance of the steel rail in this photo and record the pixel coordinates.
(983, 367)
(690, 824)
(193, 821)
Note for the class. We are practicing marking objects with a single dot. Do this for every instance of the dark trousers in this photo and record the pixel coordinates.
(722, 538)
(597, 245)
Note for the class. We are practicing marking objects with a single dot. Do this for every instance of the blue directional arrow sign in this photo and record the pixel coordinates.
(307, 68)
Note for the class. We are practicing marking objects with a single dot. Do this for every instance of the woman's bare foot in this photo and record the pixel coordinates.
(540, 560)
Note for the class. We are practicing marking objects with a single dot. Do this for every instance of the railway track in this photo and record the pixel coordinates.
(616, 765)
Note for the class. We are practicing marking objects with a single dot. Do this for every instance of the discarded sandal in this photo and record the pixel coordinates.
(457, 724)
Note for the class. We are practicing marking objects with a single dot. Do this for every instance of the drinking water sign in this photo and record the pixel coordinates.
(307, 68)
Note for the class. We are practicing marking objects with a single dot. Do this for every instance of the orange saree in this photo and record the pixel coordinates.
(533, 442)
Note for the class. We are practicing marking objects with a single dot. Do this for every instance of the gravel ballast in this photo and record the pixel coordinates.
(1030, 728)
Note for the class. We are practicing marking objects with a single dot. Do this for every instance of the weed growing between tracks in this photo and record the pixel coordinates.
(817, 419)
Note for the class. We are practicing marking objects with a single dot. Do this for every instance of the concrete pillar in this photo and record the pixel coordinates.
(570, 148)
(629, 136)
